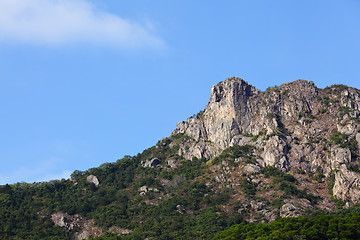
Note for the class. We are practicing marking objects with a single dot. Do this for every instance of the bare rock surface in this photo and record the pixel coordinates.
(86, 227)
(93, 179)
(294, 208)
(358, 140)
(275, 153)
(293, 127)
(347, 184)
(289, 210)
(173, 163)
(251, 168)
(155, 162)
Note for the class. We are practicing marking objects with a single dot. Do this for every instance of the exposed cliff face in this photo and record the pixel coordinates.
(230, 110)
(84, 228)
(295, 127)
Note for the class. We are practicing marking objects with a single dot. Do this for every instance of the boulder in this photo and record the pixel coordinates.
(155, 162)
(347, 184)
(251, 168)
(93, 179)
(173, 163)
(275, 152)
(347, 128)
(143, 189)
(289, 210)
(339, 156)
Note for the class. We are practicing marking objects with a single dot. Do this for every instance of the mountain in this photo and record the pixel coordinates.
(294, 127)
(250, 157)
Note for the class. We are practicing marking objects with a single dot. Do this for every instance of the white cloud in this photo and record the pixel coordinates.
(57, 22)
(45, 171)
(64, 174)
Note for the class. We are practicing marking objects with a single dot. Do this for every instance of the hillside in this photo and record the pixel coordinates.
(250, 157)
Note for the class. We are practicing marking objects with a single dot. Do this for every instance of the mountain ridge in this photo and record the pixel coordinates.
(289, 116)
(249, 157)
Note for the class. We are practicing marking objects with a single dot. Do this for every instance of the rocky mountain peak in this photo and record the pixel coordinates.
(233, 88)
(294, 127)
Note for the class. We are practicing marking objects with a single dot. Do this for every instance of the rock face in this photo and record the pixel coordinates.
(289, 210)
(151, 163)
(93, 179)
(86, 228)
(173, 163)
(275, 153)
(251, 168)
(237, 109)
(294, 208)
(229, 112)
(347, 184)
(294, 127)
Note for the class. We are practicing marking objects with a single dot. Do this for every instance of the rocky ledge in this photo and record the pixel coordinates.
(295, 127)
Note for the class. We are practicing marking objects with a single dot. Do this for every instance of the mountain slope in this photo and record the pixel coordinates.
(250, 156)
(294, 127)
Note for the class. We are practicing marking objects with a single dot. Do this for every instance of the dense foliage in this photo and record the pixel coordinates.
(183, 202)
(180, 207)
(317, 228)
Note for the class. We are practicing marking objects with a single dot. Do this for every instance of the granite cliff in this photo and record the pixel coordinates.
(295, 127)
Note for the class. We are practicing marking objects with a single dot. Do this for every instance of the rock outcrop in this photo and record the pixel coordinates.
(294, 127)
(347, 184)
(93, 179)
(294, 208)
(85, 228)
(237, 109)
(155, 162)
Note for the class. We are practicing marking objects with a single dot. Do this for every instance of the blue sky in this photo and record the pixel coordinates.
(83, 82)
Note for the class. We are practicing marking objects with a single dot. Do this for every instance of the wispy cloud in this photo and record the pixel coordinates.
(64, 174)
(57, 22)
(45, 171)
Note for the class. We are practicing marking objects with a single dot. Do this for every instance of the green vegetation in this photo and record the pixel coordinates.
(280, 131)
(200, 114)
(278, 175)
(234, 152)
(339, 138)
(318, 177)
(335, 88)
(285, 93)
(285, 182)
(330, 181)
(249, 188)
(183, 207)
(248, 135)
(354, 167)
(326, 101)
(290, 189)
(316, 228)
(307, 115)
(343, 141)
(254, 138)
(270, 89)
(343, 111)
(185, 204)
(323, 110)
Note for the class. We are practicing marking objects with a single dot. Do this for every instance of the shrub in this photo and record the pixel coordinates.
(338, 138)
(249, 188)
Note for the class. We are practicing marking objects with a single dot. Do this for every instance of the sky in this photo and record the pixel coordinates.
(84, 82)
